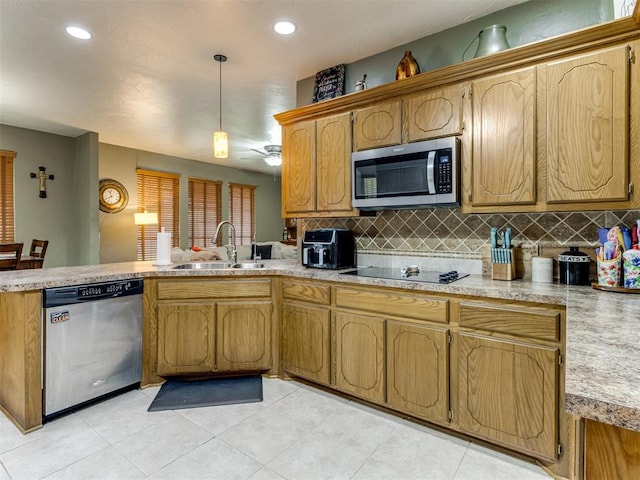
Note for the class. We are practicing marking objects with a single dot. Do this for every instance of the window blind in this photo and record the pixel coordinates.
(205, 211)
(157, 192)
(242, 211)
(7, 219)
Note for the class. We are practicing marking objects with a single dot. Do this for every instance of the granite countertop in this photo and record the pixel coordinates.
(603, 334)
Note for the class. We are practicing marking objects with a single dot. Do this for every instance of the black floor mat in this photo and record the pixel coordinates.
(177, 394)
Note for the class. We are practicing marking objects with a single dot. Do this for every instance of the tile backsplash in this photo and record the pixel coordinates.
(447, 232)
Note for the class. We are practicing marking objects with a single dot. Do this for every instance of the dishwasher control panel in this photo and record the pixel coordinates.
(93, 291)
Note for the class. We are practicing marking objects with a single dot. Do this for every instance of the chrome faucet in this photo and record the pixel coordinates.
(234, 252)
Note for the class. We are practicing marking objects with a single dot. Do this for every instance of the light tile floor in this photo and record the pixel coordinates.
(296, 433)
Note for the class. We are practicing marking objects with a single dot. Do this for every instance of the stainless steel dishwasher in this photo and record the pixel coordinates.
(92, 342)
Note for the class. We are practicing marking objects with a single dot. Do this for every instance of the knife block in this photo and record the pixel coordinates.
(505, 271)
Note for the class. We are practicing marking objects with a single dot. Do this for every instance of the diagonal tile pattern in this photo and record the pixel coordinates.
(296, 433)
(446, 230)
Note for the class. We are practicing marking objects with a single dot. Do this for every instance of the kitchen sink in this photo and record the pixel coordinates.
(248, 265)
(203, 266)
(216, 265)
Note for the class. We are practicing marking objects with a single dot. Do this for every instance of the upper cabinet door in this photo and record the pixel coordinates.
(436, 113)
(377, 126)
(587, 127)
(298, 168)
(504, 139)
(333, 161)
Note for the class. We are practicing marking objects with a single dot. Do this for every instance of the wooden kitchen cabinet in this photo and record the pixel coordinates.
(186, 338)
(306, 340)
(508, 376)
(316, 168)
(431, 114)
(359, 355)
(504, 139)
(333, 164)
(298, 169)
(507, 392)
(377, 126)
(207, 325)
(418, 370)
(243, 340)
(611, 452)
(587, 127)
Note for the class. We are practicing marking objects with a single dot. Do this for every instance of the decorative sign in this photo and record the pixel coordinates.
(329, 84)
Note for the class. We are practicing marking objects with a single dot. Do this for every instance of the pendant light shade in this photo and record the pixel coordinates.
(220, 138)
(220, 144)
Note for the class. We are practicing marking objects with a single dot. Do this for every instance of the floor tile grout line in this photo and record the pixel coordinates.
(466, 450)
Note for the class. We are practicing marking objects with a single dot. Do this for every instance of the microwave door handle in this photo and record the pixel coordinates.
(431, 183)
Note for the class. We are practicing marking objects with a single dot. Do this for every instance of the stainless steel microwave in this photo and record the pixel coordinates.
(420, 174)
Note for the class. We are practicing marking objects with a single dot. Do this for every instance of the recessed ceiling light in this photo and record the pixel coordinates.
(284, 27)
(78, 32)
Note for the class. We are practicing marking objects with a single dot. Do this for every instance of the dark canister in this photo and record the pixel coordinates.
(574, 267)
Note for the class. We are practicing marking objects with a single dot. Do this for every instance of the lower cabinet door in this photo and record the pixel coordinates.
(305, 342)
(417, 370)
(508, 392)
(243, 337)
(359, 343)
(185, 338)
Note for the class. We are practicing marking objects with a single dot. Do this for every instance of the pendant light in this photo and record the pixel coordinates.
(220, 139)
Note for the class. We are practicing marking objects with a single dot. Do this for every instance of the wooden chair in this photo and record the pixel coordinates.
(10, 254)
(38, 248)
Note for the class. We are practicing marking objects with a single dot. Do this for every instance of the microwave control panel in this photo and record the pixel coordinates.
(445, 172)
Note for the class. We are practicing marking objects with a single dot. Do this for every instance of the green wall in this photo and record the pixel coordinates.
(63, 217)
(527, 22)
(118, 232)
(78, 232)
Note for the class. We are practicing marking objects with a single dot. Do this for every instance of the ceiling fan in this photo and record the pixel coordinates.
(272, 154)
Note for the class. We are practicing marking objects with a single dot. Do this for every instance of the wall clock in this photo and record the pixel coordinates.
(113, 196)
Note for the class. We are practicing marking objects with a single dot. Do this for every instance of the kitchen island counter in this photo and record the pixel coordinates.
(603, 338)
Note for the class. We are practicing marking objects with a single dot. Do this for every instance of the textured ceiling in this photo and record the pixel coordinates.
(147, 78)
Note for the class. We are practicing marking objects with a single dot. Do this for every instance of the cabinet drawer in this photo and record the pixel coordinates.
(306, 292)
(398, 305)
(210, 288)
(522, 321)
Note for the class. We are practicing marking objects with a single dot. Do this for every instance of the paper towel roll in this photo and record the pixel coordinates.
(542, 269)
(164, 248)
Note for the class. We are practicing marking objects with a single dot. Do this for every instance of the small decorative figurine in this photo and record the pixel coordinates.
(408, 67)
(361, 84)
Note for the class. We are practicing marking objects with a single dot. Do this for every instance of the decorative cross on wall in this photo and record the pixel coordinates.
(43, 178)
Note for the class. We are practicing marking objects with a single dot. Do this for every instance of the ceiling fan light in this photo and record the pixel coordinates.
(220, 144)
(273, 160)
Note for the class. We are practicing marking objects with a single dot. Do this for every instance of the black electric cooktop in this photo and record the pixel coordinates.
(408, 273)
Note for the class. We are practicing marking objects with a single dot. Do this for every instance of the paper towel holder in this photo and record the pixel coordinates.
(145, 218)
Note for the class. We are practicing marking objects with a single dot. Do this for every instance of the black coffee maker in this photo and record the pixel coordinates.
(331, 248)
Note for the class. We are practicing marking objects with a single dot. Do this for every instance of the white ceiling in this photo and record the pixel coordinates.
(147, 78)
